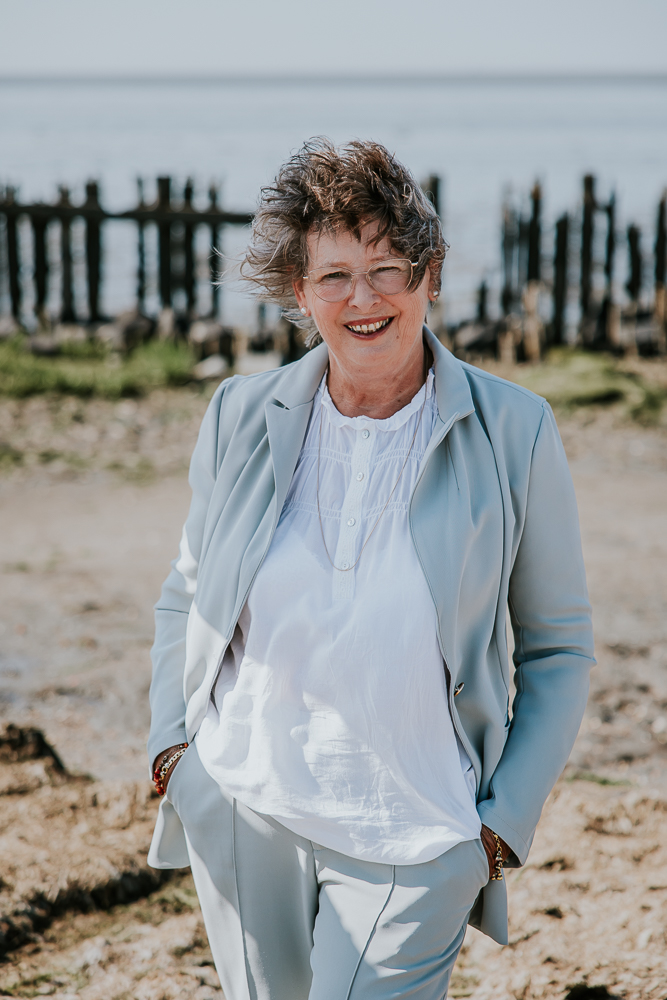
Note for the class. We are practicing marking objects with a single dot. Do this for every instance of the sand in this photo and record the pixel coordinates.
(92, 498)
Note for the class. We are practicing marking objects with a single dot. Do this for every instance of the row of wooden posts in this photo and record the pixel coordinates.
(176, 224)
(600, 314)
(522, 259)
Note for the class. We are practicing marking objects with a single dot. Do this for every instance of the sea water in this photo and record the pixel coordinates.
(480, 136)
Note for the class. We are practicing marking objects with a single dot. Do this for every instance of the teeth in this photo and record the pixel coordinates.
(369, 327)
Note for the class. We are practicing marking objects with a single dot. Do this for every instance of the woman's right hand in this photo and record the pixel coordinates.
(161, 758)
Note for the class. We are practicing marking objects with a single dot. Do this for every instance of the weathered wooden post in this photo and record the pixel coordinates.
(509, 334)
(141, 250)
(634, 282)
(557, 335)
(633, 285)
(508, 250)
(535, 234)
(214, 258)
(482, 303)
(431, 188)
(532, 324)
(610, 244)
(67, 312)
(188, 240)
(660, 251)
(13, 258)
(608, 327)
(164, 239)
(587, 233)
(93, 249)
(39, 223)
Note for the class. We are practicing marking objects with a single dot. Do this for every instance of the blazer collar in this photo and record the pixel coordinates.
(299, 382)
(452, 391)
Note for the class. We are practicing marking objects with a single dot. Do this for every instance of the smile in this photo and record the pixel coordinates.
(370, 327)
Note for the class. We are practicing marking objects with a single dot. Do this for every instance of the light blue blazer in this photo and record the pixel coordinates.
(493, 518)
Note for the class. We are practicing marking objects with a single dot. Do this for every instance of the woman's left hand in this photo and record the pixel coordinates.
(489, 844)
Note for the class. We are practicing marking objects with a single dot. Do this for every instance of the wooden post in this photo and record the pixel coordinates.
(660, 306)
(431, 188)
(509, 240)
(535, 235)
(214, 258)
(67, 313)
(533, 328)
(482, 303)
(634, 282)
(633, 285)
(587, 233)
(610, 245)
(13, 258)
(560, 280)
(141, 251)
(39, 224)
(188, 239)
(164, 241)
(608, 333)
(93, 250)
(522, 255)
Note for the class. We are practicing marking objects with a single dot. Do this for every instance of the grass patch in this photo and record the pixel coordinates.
(9, 456)
(86, 370)
(570, 379)
(597, 779)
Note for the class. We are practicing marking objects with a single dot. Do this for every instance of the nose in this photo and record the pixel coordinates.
(363, 294)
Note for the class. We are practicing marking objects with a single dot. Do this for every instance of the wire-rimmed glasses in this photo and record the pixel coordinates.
(388, 277)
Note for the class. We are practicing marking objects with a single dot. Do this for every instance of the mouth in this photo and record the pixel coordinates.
(369, 328)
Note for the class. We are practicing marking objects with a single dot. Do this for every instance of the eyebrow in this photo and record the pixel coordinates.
(374, 260)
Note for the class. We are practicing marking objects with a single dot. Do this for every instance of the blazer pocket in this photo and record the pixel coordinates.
(172, 788)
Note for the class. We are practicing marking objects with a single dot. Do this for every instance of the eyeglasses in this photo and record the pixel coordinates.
(388, 277)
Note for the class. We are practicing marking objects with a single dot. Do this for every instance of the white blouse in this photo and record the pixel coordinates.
(330, 712)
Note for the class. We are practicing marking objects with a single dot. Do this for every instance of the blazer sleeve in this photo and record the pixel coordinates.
(167, 699)
(553, 635)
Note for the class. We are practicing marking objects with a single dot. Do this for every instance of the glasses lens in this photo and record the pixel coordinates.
(390, 277)
(330, 285)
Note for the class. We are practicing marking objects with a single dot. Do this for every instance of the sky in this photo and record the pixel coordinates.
(361, 37)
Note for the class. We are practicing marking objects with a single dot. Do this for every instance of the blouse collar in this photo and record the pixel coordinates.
(398, 419)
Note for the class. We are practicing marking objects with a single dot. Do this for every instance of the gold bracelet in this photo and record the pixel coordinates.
(497, 875)
(161, 771)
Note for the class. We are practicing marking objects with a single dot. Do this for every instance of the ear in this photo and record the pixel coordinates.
(297, 285)
(432, 285)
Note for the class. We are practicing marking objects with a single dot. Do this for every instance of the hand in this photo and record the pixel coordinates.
(161, 758)
(489, 844)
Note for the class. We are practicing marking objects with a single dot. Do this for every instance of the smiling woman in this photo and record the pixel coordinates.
(330, 707)
(331, 219)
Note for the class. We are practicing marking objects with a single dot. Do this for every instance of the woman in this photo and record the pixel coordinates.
(331, 640)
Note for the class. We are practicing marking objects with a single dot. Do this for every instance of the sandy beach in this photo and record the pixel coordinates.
(92, 497)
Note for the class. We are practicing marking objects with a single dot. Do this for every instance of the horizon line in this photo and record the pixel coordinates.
(481, 76)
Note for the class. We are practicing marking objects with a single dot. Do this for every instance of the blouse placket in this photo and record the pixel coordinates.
(351, 516)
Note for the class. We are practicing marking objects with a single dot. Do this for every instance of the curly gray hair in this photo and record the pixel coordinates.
(324, 188)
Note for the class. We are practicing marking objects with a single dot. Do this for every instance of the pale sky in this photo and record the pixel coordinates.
(391, 37)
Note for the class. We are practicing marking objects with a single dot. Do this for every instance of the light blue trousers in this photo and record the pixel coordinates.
(288, 919)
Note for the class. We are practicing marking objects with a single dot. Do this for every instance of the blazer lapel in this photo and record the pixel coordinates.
(286, 430)
(287, 416)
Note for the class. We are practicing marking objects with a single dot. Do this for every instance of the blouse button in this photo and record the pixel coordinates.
(360, 476)
(365, 433)
(351, 522)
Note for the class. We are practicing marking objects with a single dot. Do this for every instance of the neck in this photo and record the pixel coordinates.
(365, 391)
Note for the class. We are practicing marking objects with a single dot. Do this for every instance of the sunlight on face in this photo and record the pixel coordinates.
(393, 322)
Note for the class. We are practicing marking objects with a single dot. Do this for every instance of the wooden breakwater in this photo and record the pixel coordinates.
(570, 294)
(549, 295)
(176, 221)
